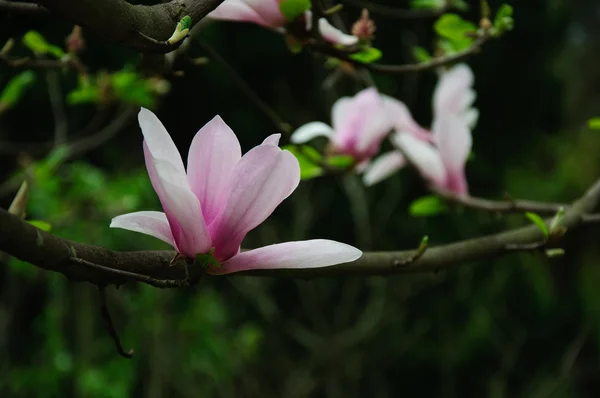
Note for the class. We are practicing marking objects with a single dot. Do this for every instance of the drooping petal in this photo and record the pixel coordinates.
(424, 156)
(214, 152)
(305, 254)
(311, 130)
(402, 120)
(273, 139)
(269, 10)
(263, 178)
(153, 223)
(453, 91)
(240, 11)
(453, 139)
(183, 210)
(159, 142)
(334, 35)
(383, 167)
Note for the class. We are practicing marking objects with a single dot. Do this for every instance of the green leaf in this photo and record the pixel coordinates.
(429, 205)
(185, 22)
(594, 123)
(340, 161)
(421, 54)
(36, 43)
(43, 225)
(206, 260)
(455, 29)
(503, 20)
(292, 9)
(460, 5)
(367, 56)
(428, 4)
(539, 221)
(15, 88)
(308, 159)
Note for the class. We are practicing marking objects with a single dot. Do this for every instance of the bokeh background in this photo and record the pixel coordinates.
(519, 326)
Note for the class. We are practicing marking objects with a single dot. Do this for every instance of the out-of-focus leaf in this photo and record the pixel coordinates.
(421, 54)
(308, 158)
(43, 225)
(429, 205)
(594, 123)
(455, 30)
(15, 88)
(292, 9)
(38, 44)
(340, 161)
(428, 4)
(539, 222)
(367, 56)
(503, 21)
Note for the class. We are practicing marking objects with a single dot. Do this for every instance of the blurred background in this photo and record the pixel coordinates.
(520, 326)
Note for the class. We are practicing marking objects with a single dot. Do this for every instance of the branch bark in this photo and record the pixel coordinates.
(49, 252)
(144, 28)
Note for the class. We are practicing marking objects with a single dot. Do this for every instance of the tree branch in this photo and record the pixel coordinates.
(394, 12)
(24, 241)
(144, 28)
(23, 8)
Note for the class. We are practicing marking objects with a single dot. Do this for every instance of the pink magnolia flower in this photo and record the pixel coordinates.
(360, 124)
(440, 154)
(267, 13)
(222, 197)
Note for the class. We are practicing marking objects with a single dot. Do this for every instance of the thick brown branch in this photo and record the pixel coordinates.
(144, 28)
(52, 253)
(23, 8)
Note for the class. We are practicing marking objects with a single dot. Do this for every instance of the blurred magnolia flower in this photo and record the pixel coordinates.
(440, 154)
(268, 14)
(360, 124)
(223, 196)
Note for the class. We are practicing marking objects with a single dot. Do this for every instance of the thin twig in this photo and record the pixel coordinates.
(397, 13)
(24, 8)
(246, 89)
(109, 323)
(160, 283)
(393, 69)
(58, 108)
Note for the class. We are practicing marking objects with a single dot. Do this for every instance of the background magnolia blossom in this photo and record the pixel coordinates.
(222, 197)
(268, 14)
(440, 155)
(359, 125)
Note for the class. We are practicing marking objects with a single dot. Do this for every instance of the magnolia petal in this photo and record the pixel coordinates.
(471, 117)
(153, 223)
(183, 210)
(402, 120)
(311, 130)
(273, 139)
(238, 10)
(383, 167)
(453, 91)
(263, 178)
(454, 141)
(334, 35)
(214, 152)
(424, 156)
(305, 254)
(269, 10)
(341, 112)
(159, 142)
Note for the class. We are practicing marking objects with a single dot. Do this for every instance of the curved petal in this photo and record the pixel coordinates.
(311, 130)
(334, 35)
(269, 10)
(183, 211)
(454, 141)
(159, 142)
(402, 120)
(273, 139)
(214, 152)
(383, 167)
(341, 111)
(237, 10)
(153, 223)
(305, 254)
(453, 91)
(424, 156)
(264, 177)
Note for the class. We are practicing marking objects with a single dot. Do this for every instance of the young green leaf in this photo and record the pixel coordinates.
(429, 205)
(340, 161)
(539, 222)
(43, 225)
(36, 43)
(367, 56)
(15, 88)
(421, 54)
(503, 20)
(206, 260)
(428, 4)
(292, 9)
(594, 123)
(455, 30)
(308, 158)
